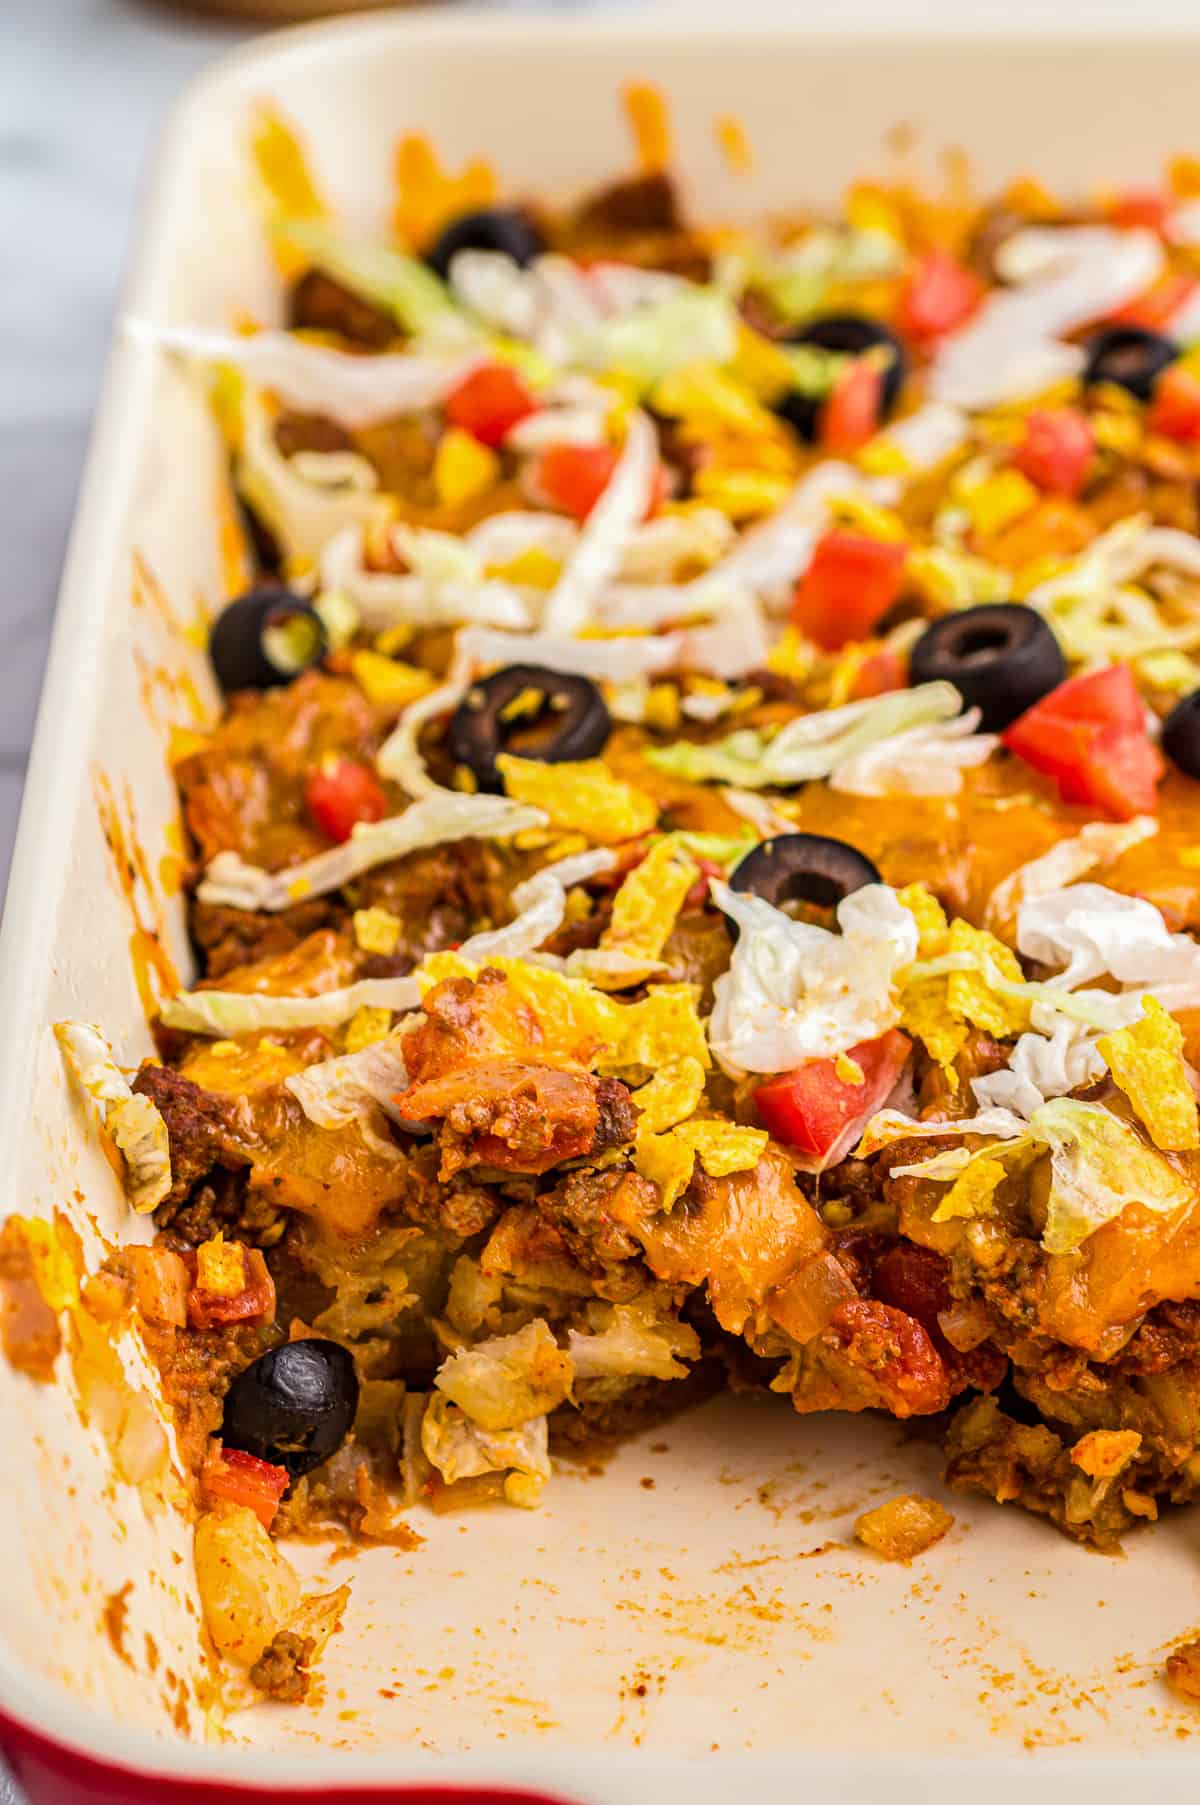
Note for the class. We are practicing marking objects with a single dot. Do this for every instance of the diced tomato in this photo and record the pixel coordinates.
(1154, 307)
(811, 1108)
(850, 416)
(938, 296)
(1089, 736)
(342, 792)
(848, 587)
(246, 1480)
(1175, 408)
(1056, 449)
(697, 896)
(489, 403)
(1141, 207)
(572, 478)
(254, 1302)
(878, 674)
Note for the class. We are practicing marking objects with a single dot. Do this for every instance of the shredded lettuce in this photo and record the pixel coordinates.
(1064, 277)
(606, 660)
(631, 1341)
(1087, 931)
(228, 1012)
(1097, 843)
(403, 285)
(503, 1383)
(927, 760)
(540, 903)
(690, 325)
(1099, 1166)
(432, 821)
(131, 1121)
(445, 583)
(459, 1449)
(817, 745)
(351, 1088)
(306, 500)
(601, 546)
(795, 991)
(357, 391)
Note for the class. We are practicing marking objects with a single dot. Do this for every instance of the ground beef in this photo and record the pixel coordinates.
(590, 1210)
(459, 1205)
(203, 1130)
(322, 304)
(231, 938)
(281, 1671)
(616, 1116)
(516, 1114)
(310, 432)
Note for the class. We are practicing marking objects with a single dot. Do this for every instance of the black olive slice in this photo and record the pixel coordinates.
(1131, 356)
(531, 711)
(803, 868)
(293, 1406)
(1181, 735)
(504, 229)
(265, 638)
(1001, 658)
(852, 334)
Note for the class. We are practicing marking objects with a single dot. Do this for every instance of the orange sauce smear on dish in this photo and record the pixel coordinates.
(650, 122)
(428, 196)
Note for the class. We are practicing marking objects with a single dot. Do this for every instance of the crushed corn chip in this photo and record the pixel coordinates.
(968, 993)
(760, 365)
(930, 917)
(670, 1097)
(1147, 1062)
(871, 210)
(394, 639)
(1102, 1453)
(997, 501)
(365, 1027)
(533, 568)
(646, 905)
(868, 517)
(705, 396)
(386, 682)
(669, 1159)
(584, 797)
(463, 468)
(580, 1024)
(662, 710)
(376, 931)
(1119, 433)
(741, 494)
(283, 172)
(221, 1267)
(903, 1527)
(972, 1192)
(849, 1070)
(792, 655)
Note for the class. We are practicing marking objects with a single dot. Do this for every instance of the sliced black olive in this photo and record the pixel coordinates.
(293, 1406)
(1131, 356)
(531, 711)
(1181, 735)
(265, 638)
(1001, 658)
(803, 868)
(504, 229)
(851, 334)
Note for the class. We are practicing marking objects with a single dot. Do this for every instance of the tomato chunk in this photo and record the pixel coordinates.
(1056, 450)
(341, 793)
(812, 1107)
(1141, 207)
(938, 296)
(246, 1480)
(850, 584)
(489, 403)
(851, 414)
(1175, 409)
(1089, 736)
(572, 478)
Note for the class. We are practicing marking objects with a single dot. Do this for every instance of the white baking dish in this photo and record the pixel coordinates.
(632, 1640)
